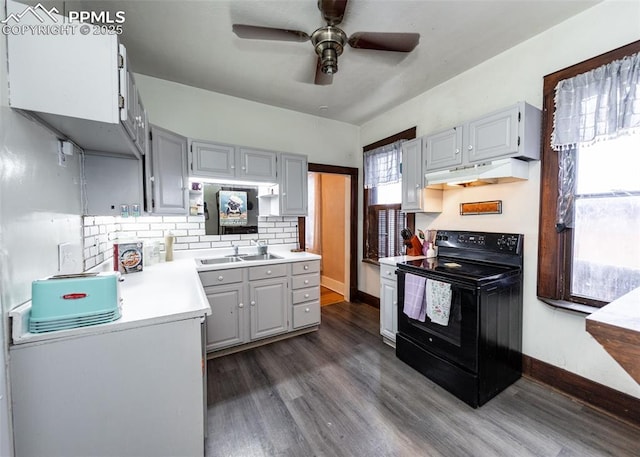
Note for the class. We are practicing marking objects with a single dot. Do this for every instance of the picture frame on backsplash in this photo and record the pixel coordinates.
(477, 208)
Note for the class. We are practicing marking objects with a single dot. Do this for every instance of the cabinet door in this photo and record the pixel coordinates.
(257, 165)
(412, 175)
(443, 150)
(226, 324)
(169, 151)
(269, 308)
(130, 106)
(388, 309)
(141, 125)
(213, 160)
(493, 135)
(293, 185)
(112, 181)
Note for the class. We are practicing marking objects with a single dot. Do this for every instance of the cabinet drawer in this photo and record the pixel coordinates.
(303, 281)
(267, 271)
(220, 277)
(303, 295)
(388, 272)
(306, 314)
(300, 268)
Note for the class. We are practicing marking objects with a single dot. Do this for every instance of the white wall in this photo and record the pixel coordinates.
(39, 208)
(206, 115)
(553, 336)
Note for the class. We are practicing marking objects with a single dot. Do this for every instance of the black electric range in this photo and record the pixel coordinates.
(478, 352)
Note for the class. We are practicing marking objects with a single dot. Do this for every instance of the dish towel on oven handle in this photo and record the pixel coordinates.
(438, 295)
(414, 304)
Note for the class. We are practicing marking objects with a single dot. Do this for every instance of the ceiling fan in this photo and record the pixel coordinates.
(329, 41)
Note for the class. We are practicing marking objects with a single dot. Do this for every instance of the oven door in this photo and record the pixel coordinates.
(456, 342)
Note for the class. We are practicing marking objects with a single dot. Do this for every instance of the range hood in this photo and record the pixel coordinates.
(497, 171)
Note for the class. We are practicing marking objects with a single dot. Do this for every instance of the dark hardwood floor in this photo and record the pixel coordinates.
(341, 392)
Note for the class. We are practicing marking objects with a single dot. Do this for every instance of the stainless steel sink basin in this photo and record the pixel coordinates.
(216, 260)
(266, 256)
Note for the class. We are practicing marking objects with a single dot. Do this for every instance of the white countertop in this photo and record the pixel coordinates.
(401, 258)
(283, 251)
(164, 292)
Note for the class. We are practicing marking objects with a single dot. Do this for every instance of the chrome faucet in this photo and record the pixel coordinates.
(235, 249)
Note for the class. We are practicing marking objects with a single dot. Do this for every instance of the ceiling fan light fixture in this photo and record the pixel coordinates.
(329, 61)
(329, 43)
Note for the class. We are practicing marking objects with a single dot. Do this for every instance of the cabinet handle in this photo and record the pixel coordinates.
(388, 273)
(457, 150)
(268, 272)
(240, 305)
(417, 186)
(306, 281)
(220, 278)
(470, 147)
(253, 303)
(306, 267)
(232, 167)
(306, 295)
(306, 310)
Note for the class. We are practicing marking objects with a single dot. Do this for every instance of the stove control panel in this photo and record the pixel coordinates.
(493, 242)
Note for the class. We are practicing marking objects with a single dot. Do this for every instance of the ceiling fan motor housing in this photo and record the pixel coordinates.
(329, 43)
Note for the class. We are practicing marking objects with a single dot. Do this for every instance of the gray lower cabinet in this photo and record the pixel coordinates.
(169, 177)
(269, 310)
(305, 293)
(388, 304)
(255, 303)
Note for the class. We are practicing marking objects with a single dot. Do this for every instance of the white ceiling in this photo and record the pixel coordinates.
(191, 42)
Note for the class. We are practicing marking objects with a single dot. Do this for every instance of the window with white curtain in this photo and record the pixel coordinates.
(383, 219)
(590, 229)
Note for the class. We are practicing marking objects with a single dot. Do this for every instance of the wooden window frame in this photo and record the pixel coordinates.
(408, 134)
(555, 249)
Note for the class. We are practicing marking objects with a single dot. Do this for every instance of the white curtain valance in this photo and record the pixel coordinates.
(382, 165)
(600, 104)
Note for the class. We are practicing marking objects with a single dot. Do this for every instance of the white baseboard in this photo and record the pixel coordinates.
(332, 284)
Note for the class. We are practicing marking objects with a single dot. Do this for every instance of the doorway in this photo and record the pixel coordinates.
(330, 229)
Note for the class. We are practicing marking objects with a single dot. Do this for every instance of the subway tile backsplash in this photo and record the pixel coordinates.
(100, 232)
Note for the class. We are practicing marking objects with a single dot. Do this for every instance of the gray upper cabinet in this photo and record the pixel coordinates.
(213, 160)
(492, 136)
(169, 176)
(412, 175)
(510, 132)
(415, 198)
(443, 149)
(293, 184)
(257, 165)
(226, 161)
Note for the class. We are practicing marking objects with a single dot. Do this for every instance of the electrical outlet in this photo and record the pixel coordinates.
(69, 260)
(62, 159)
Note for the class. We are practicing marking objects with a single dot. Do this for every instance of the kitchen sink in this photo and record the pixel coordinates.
(217, 260)
(266, 256)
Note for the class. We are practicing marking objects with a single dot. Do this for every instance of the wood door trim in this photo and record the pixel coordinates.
(353, 232)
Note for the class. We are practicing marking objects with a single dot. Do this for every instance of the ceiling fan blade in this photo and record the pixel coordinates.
(381, 41)
(322, 79)
(255, 32)
(332, 10)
